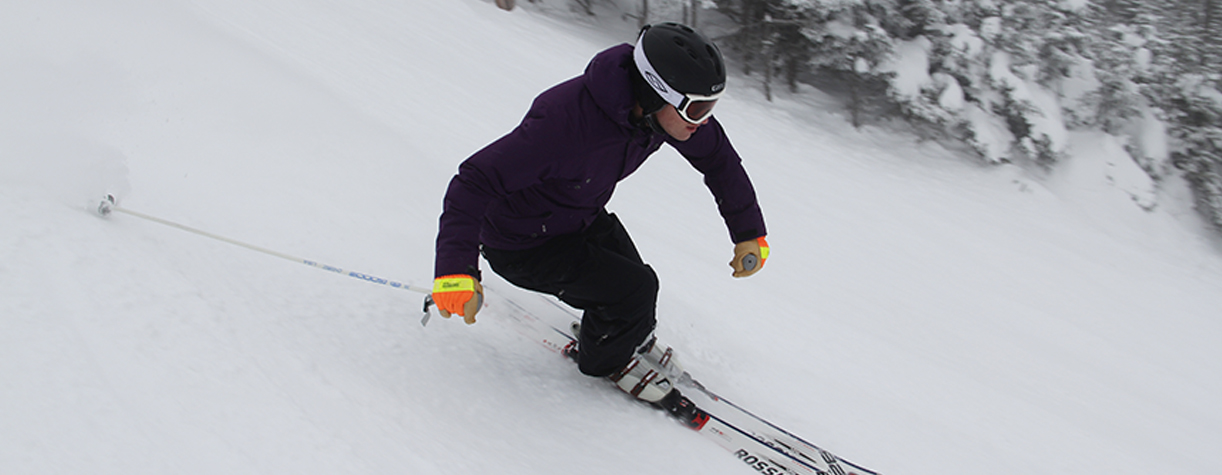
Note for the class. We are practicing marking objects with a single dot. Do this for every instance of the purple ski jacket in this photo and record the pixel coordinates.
(553, 174)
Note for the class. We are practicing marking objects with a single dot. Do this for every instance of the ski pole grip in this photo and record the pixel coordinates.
(428, 303)
(749, 262)
(473, 306)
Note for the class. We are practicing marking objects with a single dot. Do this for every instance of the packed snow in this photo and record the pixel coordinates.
(921, 313)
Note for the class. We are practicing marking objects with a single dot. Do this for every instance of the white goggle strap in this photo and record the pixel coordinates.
(675, 98)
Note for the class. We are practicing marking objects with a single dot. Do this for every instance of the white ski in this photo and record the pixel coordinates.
(757, 443)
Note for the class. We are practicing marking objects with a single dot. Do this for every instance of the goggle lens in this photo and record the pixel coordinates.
(697, 111)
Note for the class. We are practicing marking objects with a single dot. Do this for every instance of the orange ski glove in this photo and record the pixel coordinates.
(749, 256)
(458, 294)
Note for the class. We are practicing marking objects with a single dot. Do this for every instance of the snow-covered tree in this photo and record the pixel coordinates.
(769, 37)
(1009, 78)
(1197, 130)
(1182, 80)
(835, 44)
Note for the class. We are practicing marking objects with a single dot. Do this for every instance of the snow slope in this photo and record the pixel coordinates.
(920, 314)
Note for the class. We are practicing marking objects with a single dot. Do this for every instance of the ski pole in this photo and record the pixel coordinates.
(108, 205)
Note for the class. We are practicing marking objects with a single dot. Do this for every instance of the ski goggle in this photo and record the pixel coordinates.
(695, 108)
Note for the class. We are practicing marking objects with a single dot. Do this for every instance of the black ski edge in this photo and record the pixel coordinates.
(700, 387)
(763, 443)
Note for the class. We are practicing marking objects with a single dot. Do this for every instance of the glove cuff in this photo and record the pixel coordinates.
(454, 283)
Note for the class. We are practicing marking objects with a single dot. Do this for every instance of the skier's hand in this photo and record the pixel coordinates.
(458, 294)
(749, 256)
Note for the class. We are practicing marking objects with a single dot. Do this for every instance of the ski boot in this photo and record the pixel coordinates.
(643, 380)
(643, 377)
(646, 382)
(648, 377)
(661, 356)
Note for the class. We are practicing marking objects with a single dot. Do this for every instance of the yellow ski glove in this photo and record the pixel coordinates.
(749, 256)
(458, 294)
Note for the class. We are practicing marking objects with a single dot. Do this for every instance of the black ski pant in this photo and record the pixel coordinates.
(600, 272)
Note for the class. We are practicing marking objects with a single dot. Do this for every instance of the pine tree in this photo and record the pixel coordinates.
(769, 38)
(1183, 83)
(988, 59)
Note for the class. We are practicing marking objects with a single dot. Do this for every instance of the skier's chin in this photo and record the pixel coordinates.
(683, 133)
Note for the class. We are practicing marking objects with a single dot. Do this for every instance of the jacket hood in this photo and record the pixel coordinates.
(609, 81)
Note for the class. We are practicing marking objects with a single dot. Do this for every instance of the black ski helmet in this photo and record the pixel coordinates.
(673, 60)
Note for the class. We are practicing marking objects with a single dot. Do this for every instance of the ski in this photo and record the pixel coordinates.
(756, 442)
(774, 436)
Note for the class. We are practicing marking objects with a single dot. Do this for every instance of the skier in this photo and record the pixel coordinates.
(533, 201)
